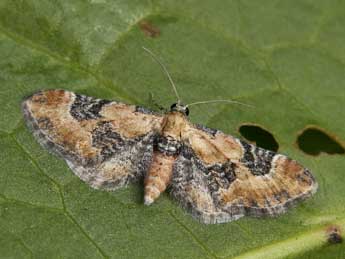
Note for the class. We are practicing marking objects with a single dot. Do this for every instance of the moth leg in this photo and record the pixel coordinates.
(156, 104)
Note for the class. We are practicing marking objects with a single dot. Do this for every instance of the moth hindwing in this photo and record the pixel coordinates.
(214, 176)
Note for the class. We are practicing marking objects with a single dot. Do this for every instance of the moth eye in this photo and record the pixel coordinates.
(173, 106)
(187, 111)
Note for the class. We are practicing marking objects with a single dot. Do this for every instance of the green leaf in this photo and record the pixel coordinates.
(287, 58)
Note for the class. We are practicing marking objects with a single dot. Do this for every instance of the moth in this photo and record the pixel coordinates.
(214, 176)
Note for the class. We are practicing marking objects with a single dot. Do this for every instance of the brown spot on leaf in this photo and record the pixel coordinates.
(314, 140)
(334, 235)
(149, 29)
(259, 136)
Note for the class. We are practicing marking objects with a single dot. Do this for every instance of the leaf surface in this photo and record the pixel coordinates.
(287, 58)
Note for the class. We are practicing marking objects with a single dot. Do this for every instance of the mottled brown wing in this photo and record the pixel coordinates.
(219, 178)
(107, 144)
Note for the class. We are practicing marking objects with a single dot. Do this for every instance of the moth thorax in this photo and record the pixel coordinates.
(174, 123)
(168, 145)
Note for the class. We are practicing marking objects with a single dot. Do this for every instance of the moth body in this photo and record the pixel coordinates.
(165, 153)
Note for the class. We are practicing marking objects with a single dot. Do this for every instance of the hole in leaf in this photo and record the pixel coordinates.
(259, 136)
(314, 141)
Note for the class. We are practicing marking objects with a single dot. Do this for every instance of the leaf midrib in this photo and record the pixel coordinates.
(293, 245)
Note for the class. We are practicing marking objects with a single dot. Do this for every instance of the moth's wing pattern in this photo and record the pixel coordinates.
(106, 143)
(219, 178)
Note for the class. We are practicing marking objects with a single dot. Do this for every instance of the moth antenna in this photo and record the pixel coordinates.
(165, 71)
(221, 101)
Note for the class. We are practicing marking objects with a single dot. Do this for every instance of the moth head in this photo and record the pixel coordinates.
(176, 107)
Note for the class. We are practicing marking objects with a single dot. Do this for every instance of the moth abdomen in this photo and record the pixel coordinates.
(159, 176)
